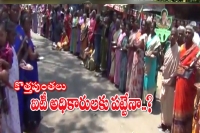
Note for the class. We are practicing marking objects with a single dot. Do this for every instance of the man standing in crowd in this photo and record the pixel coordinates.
(196, 38)
(181, 35)
(34, 19)
(171, 61)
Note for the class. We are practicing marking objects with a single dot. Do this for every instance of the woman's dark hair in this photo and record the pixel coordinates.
(23, 17)
(4, 9)
(68, 11)
(3, 25)
(164, 11)
(8, 25)
(98, 18)
(154, 24)
(127, 23)
(62, 16)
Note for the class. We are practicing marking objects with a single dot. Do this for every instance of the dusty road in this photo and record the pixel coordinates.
(66, 68)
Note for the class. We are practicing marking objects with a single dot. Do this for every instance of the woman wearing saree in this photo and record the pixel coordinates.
(196, 117)
(130, 52)
(185, 90)
(74, 35)
(67, 24)
(111, 32)
(14, 17)
(97, 43)
(83, 37)
(33, 118)
(104, 45)
(10, 119)
(118, 56)
(150, 60)
(80, 22)
(115, 38)
(136, 79)
(123, 60)
(91, 27)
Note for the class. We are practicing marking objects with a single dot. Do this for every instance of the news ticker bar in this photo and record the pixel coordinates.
(100, 2)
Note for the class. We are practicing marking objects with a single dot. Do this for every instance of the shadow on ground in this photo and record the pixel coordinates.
(65, 68)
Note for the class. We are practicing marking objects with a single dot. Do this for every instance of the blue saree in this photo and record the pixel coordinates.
(97, 46)
(17, 44)
(110, 38)
(33, 118)
(123, 67)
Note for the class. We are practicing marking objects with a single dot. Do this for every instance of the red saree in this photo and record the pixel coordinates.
(47, 24)
(67, 24)
(184, 96)
(91, 30)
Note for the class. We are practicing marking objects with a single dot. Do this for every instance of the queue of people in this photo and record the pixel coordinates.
(128, 55)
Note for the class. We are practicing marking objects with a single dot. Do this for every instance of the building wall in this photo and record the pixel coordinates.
(186, 11)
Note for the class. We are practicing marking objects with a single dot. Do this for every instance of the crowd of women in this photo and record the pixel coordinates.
(128, 54)
(16, 50)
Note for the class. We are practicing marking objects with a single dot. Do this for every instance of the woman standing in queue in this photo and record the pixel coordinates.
(150, 59)
(14, 15)
(116, 35)
(104, 43)
(74, 34)
(83, 36)
(118, 55)
(124, 59)
(33, 118)
(131, 48)
(10, 120)
(136, 78)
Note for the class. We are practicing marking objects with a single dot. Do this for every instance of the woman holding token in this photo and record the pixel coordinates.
(33, 118)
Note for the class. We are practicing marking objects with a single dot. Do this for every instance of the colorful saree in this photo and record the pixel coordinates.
(67, 24)
(83, 38)
(110, 38)
(123, 67)
(91, 31)
(196, 119)
(74, 35)
(117, 59)
(33, 118)
(150, 66)
(104, 48)
(80, 22)
(130, 58)
(97, 45)
(17, 44)
(135, 84)
(112, 69)
(185, 94)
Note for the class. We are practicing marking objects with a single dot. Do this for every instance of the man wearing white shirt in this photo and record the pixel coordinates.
(196, 38)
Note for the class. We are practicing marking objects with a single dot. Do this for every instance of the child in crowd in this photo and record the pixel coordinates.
(63, 44)
(88, 58)
(6, 57)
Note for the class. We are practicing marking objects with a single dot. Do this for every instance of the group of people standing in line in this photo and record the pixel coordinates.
(127, 53)
(17, 50)
(122, 50)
